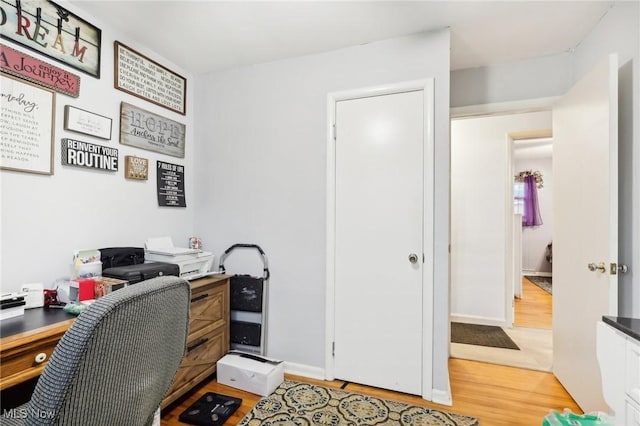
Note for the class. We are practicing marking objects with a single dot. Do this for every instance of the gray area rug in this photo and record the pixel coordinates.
(481, 335)
(545, 283)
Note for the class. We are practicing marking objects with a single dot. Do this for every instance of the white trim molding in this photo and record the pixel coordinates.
(304, 370)
(498, 108)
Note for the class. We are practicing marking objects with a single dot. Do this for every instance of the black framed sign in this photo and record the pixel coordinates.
(53, 31)
(170, 183)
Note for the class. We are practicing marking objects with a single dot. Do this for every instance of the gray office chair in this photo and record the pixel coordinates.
(117, 361)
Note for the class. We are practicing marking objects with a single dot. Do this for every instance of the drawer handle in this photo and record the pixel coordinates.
(41, 357)
(202, 296)
(200, 343)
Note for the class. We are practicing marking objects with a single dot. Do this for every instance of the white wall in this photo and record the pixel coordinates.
(261, 176)
(542, 77)
(481, 188)
(44, 218)
(619, 32)
(536, 238)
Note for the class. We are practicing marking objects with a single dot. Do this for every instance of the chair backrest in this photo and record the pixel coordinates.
(117, 361)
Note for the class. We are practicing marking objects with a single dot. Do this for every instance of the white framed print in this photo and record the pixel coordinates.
(88, 123)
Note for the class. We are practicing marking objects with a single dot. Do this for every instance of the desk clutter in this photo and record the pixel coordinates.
(97, 272)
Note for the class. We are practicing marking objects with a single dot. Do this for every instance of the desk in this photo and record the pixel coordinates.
(24, 339)
(27, 342)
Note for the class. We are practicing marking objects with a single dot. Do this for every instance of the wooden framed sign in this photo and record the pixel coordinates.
(136, 168)
(140, 76)
(88, 123)
(146, 130)
(53, 31)
(26, 126)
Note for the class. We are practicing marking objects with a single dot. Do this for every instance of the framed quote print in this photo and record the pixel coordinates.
(27, 122)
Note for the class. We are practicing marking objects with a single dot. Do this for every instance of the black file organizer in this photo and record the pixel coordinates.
(248, 328)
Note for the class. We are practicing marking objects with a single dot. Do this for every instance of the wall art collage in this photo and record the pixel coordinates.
(30, 84)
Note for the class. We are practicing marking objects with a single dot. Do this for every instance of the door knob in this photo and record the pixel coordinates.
(413, 258)
(599, 267)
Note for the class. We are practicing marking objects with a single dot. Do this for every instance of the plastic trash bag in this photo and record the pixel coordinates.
(569, 418)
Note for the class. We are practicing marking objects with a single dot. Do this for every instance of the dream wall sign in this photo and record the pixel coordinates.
(83, 154)
(47, 28)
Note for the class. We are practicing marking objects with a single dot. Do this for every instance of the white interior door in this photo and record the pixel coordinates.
(378, 229)
(585, 199)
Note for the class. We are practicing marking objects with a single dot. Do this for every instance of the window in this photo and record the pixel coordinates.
(518, 198)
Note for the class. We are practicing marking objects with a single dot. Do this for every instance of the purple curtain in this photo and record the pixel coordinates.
(531, 215)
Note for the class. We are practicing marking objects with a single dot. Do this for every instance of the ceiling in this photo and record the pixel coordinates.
(205, 36)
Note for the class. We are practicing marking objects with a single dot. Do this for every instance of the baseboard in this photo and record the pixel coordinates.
(441, 397)
(471, 319)
(304, 370)
(537, 274)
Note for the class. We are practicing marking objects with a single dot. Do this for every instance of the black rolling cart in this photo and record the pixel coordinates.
(249, 296)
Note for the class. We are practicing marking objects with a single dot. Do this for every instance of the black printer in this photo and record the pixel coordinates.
(143, 271)
(127, 263)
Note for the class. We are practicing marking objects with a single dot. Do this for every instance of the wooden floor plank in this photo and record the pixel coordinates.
(495, 394)
(534, 308)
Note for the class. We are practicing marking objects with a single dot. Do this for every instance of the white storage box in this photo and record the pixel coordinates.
(242, 372)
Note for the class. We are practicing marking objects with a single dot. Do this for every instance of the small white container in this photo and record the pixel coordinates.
(250, 375)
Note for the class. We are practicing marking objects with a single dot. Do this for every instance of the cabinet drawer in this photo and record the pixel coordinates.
(632, 382)
(208, 308)
(632, 414)
(27, 363)
(199, 362)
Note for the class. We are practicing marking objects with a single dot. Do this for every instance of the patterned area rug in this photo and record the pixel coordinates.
(303, 404)
(544, 283)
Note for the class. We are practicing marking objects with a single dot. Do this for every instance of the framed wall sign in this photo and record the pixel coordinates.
(27, 67)
(140, 76)
(26, 126)
(88, 123)
(53, 31)
(136, 168)
(146, 130)
(170, 183)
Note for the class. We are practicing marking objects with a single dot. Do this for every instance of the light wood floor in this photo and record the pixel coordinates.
(497, 395)
(534, 309)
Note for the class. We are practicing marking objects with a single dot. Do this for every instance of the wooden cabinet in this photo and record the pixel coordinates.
(23, 356)
(208, 339)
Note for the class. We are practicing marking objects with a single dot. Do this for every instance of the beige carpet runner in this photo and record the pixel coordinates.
(303, 404)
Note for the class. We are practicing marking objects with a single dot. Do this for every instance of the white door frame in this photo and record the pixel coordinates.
(507, 108)
(427, 86)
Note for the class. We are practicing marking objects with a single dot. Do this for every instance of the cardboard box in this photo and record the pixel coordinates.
(241, 372)
(82, 289)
